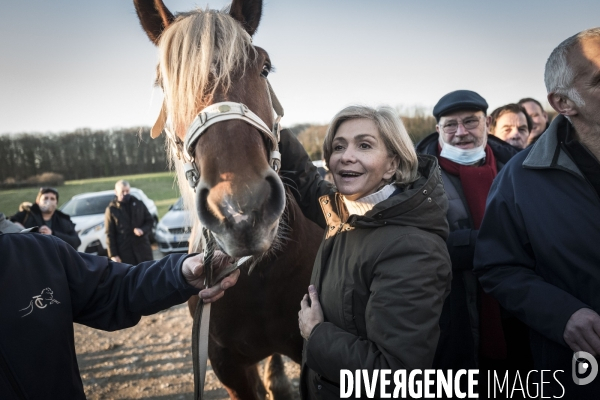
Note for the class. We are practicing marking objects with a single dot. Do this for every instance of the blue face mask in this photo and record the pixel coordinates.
(126, 198)
(462, 156)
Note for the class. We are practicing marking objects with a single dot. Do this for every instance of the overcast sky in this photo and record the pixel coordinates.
(67, 64)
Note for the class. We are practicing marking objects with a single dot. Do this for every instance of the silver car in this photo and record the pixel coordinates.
(174, 229)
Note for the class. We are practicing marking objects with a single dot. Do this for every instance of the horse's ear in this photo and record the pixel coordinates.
(154, 16)
(248, 13)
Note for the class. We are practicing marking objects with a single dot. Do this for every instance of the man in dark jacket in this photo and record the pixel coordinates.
(474, 333)
(128, 225)
(46, 286)
(541, 259)
(50, 221)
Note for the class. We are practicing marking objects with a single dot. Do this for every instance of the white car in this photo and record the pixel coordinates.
(174, 229)
(87, 213)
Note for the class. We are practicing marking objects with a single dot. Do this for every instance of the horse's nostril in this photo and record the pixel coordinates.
(276, 200)
(207, 217)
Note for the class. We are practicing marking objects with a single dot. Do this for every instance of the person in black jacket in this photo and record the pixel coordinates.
(538, 249)
(46, 286)
(50, 221)
(128, 225)
(475, 332)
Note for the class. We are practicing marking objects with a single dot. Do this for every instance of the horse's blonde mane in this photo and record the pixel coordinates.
(198, 53)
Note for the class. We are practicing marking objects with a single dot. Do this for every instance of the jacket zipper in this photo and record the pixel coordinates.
(11, 379)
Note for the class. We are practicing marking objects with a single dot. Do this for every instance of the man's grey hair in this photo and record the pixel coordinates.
(559, 75)
(122, 183)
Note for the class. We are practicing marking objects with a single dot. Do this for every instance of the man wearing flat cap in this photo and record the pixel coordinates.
(472, 331)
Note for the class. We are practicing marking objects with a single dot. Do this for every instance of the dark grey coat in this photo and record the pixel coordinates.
(119, 222)
(459, 341)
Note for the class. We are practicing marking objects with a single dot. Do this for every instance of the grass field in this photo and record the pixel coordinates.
(160, 187)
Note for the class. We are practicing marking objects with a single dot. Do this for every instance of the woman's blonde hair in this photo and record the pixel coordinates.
(392, 131)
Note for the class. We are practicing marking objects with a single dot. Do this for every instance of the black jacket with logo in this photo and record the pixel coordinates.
(45, 286)
(61, 224)
(119, 221)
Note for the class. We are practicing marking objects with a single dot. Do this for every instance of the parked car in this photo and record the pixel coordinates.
(174, 229)
(87, 213)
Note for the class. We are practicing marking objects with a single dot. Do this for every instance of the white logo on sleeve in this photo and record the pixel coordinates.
(40, 301)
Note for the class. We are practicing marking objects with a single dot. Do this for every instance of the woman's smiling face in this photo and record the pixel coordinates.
(360, 161)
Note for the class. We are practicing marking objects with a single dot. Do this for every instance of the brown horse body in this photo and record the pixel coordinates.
(207, 57)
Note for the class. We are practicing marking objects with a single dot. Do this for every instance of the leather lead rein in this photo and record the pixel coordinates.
(201, 321)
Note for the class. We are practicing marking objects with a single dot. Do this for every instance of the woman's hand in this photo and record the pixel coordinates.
(309, 316)
(193, 272)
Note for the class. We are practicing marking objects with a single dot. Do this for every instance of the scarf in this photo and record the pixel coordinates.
(476, 182)
(365, 204)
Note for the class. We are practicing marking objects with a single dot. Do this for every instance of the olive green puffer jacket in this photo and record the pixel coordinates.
(382, 278)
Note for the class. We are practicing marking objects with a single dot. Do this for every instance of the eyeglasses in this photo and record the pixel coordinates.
(468, 123)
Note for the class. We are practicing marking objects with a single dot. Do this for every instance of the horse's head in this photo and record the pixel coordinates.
(206, 58)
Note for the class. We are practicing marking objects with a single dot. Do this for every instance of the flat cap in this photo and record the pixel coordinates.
(459, 100)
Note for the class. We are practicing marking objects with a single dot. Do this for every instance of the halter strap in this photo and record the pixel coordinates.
(224, 111)
(219, 112)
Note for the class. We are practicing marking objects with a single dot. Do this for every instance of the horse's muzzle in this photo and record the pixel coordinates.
(243, 216)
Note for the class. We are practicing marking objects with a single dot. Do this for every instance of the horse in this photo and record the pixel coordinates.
(207, 57)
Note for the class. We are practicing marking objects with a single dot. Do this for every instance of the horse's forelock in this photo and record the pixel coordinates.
(199, 54)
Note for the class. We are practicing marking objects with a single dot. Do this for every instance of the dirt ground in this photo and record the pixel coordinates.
(152, 360)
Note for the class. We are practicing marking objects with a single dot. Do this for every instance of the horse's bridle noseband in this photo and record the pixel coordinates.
(219, 112)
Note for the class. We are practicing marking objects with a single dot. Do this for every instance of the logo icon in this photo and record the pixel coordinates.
(40, 301)
(582, 364)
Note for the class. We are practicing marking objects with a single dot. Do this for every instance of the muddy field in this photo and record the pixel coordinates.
(152, 360)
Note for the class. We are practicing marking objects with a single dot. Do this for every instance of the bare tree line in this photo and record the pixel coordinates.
(80, 154)
(87, 154)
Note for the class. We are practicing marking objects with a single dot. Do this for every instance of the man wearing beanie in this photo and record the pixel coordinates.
(474, 330)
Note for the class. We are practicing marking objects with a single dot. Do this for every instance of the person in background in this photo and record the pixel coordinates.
(476, 333)
(128, 224)
(46, 286)
(512, 124)
(539, 117)
(541, 259)
(44, 214)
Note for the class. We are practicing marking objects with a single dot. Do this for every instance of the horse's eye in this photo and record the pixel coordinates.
(265, 70)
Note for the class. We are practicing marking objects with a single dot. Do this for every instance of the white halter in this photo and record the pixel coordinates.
(219, 112)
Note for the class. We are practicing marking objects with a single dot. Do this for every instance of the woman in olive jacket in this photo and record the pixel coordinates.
(383, 270)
